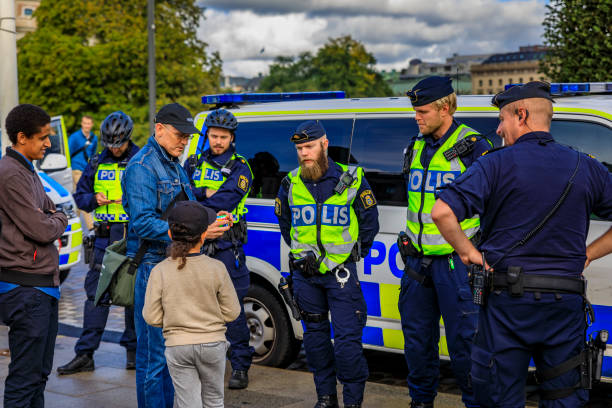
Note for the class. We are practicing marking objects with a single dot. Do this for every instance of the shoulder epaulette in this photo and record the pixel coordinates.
(492, 150)
(286, 183)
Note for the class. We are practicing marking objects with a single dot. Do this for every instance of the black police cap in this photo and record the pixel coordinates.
(534, 89)
(308, 131)
(429, 90)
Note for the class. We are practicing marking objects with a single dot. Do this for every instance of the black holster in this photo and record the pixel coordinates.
(88, 248)
(307, 265)
(237, 233)
(102, 229)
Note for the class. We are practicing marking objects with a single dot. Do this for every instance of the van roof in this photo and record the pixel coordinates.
(600, 103)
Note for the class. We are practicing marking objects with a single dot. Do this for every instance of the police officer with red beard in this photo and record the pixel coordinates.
(327, 215)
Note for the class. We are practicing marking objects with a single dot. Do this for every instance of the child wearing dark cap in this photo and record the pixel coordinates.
(191, 296)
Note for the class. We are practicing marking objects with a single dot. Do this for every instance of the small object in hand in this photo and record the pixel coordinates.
(224, 217)
(5, 353)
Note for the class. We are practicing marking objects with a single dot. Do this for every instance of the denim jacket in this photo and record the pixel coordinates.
(151, 181)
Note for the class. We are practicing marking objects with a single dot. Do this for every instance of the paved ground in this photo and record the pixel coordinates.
(110, 385)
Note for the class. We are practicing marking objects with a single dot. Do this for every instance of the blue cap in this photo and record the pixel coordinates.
(429, 90)
(535, 89)
(308, 131)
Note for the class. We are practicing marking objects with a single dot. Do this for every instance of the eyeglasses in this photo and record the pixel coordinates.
(181, 136)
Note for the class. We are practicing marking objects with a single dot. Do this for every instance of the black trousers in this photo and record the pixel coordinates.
(32, 319)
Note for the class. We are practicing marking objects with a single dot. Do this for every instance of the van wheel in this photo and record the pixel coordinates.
(63, 274)
(271, 332)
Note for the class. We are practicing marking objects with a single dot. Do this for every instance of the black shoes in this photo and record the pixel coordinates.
(415, 404)
(130, 360)
(239, 380)
(78, 364)
(327, 401)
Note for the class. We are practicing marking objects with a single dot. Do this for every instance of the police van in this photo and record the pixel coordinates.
(372, 133)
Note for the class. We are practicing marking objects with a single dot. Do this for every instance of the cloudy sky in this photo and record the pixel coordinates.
(249, 34)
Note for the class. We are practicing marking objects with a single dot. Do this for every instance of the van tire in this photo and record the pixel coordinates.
(270, 328)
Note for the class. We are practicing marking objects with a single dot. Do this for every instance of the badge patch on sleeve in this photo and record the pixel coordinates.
(277, 207)
(367, 198)
(243, 183)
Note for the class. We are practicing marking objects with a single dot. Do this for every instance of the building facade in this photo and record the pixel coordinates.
(499, 70)
(24, 16)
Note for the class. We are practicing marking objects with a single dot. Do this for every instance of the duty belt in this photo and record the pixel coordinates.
(538, 283)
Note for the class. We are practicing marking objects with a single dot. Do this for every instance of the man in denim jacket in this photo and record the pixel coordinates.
(152, 179)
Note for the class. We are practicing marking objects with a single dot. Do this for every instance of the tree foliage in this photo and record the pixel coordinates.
(578, 33)
(91, 57)
(341, 64)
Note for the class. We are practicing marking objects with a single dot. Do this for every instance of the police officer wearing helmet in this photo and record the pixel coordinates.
(99, 190)
(328, 216)
(221, 179)
(535, 198)
(435, 282)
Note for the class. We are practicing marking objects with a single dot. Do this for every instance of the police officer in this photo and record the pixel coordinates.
(535, 198)
(221, 179)
(99, 190)
(435, 282)
(328, 216)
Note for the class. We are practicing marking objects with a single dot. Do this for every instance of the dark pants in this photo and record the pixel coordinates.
(344, 359)
(513, 330)
(420, 309)
(241, 354)
(95, 317)
(32, 318)
(153, 382)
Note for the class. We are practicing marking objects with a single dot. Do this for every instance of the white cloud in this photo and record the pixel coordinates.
(395, 31)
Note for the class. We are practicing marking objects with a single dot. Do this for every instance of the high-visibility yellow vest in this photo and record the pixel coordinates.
(210, 176)
(422, 186)
(331, 227)
(108, 181)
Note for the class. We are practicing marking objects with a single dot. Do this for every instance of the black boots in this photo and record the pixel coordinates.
(130, 360)
(239, 380)
(78, 364)
(327, 401)
(415, 404)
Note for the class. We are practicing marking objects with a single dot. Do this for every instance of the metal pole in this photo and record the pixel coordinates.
(152, 83)
(9, 94)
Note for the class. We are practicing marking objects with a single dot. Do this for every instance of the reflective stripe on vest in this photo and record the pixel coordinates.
(209, 176)
(108, 181)
(422, 185)
(333, 222)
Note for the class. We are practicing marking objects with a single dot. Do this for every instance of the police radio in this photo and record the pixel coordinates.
(481, 279)
(347, 178)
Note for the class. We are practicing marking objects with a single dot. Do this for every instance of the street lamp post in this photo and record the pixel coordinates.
(9, 91)
(152, 83)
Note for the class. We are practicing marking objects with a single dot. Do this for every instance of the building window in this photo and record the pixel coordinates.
(490, 82)
(490, 92)
(480, 82)
(530, 79)
(520, 80)
(510, 81)
(28, 12)
(500, 82)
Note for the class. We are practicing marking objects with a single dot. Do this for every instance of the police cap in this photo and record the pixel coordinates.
(430, 89)
(308, 131)
(534, 89)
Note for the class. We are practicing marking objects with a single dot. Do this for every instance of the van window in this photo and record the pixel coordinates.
(378, 147)
(588, 137)
(272, 155)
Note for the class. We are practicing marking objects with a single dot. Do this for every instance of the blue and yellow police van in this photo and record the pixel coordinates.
(56, 175)
(372, 133)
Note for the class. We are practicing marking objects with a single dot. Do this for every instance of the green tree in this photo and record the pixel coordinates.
(91, 58)
(578, 33)
(341, 64)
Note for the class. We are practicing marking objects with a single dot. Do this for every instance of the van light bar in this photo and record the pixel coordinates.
(569, 88)
(271, 97)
